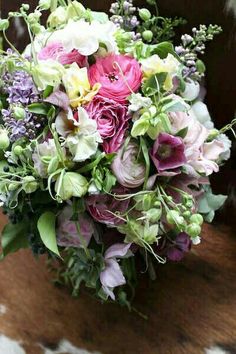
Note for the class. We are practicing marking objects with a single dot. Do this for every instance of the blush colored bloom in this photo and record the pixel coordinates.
(119, 76)
(112, 275)
(168, 152)
(57, 52)
(129, 171)
(112, 121)
(103, 207)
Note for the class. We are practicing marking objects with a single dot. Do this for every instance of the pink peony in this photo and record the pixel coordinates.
(119, 75)
(112, 121)
(102, 207)
(168, 152)
(56, 51)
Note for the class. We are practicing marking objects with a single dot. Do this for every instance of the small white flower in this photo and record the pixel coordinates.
(191, 91)
(137, 101)
(196, 240)
(200, 111)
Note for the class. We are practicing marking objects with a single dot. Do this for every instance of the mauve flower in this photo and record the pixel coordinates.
(57, 52)
(112, 275)
(102, 207)
(128, 170)
(67, 230)
(182, 244)
(112, 121)
(119, 75)
(168, 153)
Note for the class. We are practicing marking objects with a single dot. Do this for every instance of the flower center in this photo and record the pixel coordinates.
(164, 151)
(113, 77)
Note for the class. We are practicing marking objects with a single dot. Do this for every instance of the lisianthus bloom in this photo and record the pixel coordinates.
(80, 133)
(112, 275)
(85, 37)
(76, 233)
(129, 171)
(119, 76)
(77, 85)
(168, 153)
(56, 51)
(112, 121)
(201, 156)
(103, 207)
(155, 65)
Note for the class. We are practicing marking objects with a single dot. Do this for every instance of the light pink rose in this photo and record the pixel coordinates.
(119, 75)
(112, 121)
(128, 170)
(56, 51)
(67, 231)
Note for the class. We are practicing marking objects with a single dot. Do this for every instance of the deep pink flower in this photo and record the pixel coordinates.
(168, 152)
(119, 75)
(112, 121)
(102, 207)
(56, 51)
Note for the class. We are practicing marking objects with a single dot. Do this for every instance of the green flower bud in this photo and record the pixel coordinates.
(44, 4)
(126, 36)
(18, 150)
(75, 9)
(25, 7)
(72, 185)
(173, 217)
(144, 14)
(147, 201)
(13, 186)
(4, 139)
(4, 24)
(147, 35)
(30, 184)
(197, 219)
(193, 230)
(36, 28)
(53, 165)
(34, 17)
(201, 68)
(153, 215)
(58, 17)
(213, 134)
(187, 214)
(19, 112)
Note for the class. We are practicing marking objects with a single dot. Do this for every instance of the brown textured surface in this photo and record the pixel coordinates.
(191, 306)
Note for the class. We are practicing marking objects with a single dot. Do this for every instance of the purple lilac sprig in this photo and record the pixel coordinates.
(192, 46)
(124, 15)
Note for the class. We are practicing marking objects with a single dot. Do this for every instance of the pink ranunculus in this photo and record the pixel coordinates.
(119, 75)
(112, 121)
(67, 231)
(129, 171)
(168, 153)
(56, 51)
(102, 207)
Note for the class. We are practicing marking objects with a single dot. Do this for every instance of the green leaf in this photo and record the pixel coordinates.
(47, 230)
(140, 127)
(38, 108)
(153, 85)
(14, 237)
(147, 160)
(47, 92)
(163, 49)
(183, 132)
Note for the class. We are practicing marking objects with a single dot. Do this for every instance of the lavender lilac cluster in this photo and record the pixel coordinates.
(124, 15)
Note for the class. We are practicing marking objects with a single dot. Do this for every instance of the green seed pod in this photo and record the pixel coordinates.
(147, 35)
(13, 186)
(196, 219)
(4, 139)
(19, 112)
(174, 218)
(144, 14)
(18, 150)
(193, 230)
(30, 184)
(4, 24)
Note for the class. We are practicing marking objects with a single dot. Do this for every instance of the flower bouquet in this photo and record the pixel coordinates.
(106, 145)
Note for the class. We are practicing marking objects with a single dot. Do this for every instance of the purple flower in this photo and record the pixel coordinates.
(68, 232)
(182, 244)
(168, 153)
(103, 207)
(112, 275)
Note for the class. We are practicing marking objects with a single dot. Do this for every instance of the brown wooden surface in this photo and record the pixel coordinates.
(191, 306)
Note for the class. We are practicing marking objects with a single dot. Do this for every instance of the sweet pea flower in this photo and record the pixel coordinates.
(168, 153)
(47, 73)
(128, 170)
(119, 76)
(85, 37)
(112, 275)
(67, 230)
(103, 207)
(155, 65)
(80, 133)
(77, 85)
(112, 121)
(55, 51)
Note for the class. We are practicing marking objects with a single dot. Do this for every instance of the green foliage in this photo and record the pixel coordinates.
(14, 237)
(209, 203)
(47, 230)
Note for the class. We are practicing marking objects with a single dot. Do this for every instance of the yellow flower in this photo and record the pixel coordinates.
(77, 86)
(155, 65)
